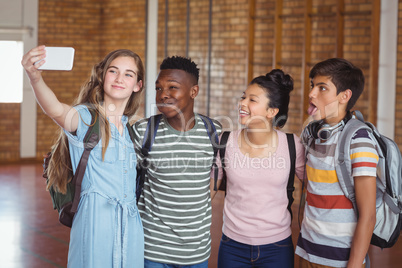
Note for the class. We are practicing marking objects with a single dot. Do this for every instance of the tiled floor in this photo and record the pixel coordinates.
(31, 237)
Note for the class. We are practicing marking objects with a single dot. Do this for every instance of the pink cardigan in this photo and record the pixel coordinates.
(255, 210)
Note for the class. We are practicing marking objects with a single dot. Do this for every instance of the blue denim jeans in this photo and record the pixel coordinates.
(233, 254)
(152, 264)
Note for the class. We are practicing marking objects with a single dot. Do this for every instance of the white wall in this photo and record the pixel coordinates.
(152, 57)
(19, 21)
(387, 68)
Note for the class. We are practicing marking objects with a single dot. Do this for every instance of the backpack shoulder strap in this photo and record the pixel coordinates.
(131, 132)
(342, 155)
(150, 133)
(290, 187)
(222, 147)
(93, 128)
(211, 130)
(91, 138)
(149, 138)
(214, 138)
(359, 115)
(222, 151)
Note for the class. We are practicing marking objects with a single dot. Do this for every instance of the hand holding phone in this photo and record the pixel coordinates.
(58, 58)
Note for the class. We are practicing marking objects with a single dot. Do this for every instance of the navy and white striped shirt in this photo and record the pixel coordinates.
(176, 206)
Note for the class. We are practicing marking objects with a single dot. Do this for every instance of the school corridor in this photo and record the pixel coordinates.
(32, 237)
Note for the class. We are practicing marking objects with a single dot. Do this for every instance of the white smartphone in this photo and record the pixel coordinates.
(58, 58)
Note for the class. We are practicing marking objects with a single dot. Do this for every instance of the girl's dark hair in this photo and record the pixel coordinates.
(181, 63)
(278, 86)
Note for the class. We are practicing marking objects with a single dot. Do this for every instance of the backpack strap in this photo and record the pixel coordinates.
(292, 153)
(211, 130)
(91, 138)
(150, 133)
(290, 187)
(344, 163)
(222, 151)
(384, 153)
(131, 132)
(359, 115)
(149, 138)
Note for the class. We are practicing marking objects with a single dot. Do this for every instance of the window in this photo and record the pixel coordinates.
(11, 71)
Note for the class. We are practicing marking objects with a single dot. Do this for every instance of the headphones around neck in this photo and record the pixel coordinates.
(323, 131)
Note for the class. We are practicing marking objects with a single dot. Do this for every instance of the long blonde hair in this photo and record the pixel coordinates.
(59, 170)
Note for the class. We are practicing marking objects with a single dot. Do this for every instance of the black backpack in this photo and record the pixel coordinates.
(292, 152)
(149, 138)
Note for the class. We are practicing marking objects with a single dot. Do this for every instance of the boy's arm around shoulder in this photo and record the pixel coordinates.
(300, 158)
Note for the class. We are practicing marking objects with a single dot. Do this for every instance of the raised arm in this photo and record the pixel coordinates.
(64, 115)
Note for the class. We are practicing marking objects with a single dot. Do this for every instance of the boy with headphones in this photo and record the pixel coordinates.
(332, 235)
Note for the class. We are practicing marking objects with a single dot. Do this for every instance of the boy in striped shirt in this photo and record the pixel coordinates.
(332, 235)
(175, 206)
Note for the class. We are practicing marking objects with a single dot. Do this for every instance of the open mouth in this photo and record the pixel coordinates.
(312, 109)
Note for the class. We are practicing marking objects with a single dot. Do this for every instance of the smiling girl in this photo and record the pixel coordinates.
(107, 229)
(256, 225)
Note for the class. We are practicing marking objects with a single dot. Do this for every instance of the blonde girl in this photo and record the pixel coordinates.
(107, 229)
